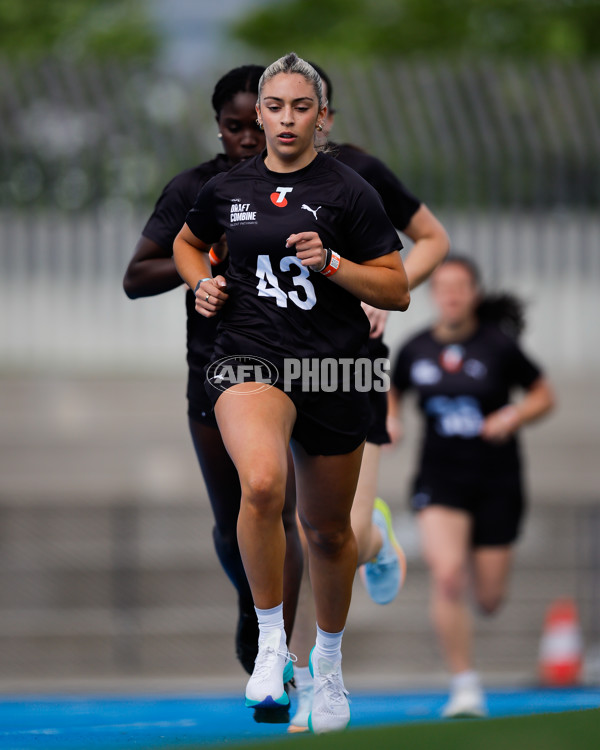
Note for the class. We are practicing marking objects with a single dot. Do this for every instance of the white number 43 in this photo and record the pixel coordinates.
(268, 285)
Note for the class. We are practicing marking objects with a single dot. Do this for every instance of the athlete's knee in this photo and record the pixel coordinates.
(450, 581)
(329, 540)
(489, 602)
(263, 490)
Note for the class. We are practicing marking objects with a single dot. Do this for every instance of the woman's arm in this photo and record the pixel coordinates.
(377, 319)
(150, 271)
(193, 265)
(380, 282)
(430, 248)
(431, 245)
(501, 424)
(394, 415)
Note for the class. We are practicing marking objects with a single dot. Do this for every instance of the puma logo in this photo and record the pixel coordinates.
(308, 208)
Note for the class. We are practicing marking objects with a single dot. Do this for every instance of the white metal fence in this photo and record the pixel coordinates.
(62, 305)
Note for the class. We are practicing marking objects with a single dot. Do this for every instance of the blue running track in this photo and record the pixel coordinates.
(95, 722)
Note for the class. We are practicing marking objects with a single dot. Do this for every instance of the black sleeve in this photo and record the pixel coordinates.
(399, 203)
(369, 232)
(522, 371)
(401, 370)
(202, 217)
(169, 214)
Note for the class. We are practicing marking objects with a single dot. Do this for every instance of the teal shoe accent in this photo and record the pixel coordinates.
(310, 666)
(288, 672)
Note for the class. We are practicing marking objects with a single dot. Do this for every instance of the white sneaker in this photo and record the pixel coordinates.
(304, 698)
(330, 709)
(465, 702)
(271, 669)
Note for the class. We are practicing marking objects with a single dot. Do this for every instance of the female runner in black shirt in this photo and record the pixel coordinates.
(308, 239)
(467, 491)
(152, 271)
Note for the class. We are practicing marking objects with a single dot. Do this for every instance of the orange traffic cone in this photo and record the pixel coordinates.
(561, 646)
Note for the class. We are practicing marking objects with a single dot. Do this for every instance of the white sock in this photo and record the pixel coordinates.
(270, 619)
(302, 676)
(329, 645)
(467, 679)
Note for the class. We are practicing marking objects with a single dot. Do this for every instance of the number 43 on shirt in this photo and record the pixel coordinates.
(268, 285)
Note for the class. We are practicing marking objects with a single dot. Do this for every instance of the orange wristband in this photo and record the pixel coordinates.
(213, 257)
(333, 265)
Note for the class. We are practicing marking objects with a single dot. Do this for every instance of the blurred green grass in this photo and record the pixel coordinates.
(573, 730)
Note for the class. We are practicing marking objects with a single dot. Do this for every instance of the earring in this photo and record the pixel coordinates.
(259, 123)
(219, 136)
(319, 127)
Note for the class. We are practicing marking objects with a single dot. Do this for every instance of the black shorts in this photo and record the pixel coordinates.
(200, 407)
(495, 502)
(331, 424)
(327, 424)
(378, 434)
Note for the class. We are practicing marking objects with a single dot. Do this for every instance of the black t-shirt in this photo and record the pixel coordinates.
(278, 308)
(163, 226)
(458, 385)
(179, 195)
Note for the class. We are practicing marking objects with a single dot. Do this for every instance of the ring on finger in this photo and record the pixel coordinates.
(207, 297)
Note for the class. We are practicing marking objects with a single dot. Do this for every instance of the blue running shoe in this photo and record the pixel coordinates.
(384, 575)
